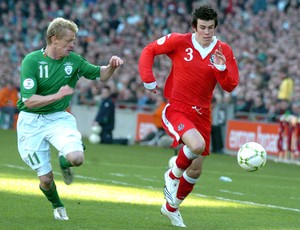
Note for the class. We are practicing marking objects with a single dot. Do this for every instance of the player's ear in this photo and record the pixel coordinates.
(53, 39)
(193, 28)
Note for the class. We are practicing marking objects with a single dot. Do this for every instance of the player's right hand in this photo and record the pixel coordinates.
(66, 90)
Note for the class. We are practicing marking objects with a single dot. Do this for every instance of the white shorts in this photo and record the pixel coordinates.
(37, 131)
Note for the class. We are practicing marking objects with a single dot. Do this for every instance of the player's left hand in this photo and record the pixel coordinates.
(219, 57)
(115, 61)
(155, 90)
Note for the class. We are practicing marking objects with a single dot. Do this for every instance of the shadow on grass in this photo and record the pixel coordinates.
(34, 212)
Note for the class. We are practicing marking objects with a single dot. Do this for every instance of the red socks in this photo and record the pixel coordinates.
(182, 161)
(170, 208)
(184, 189)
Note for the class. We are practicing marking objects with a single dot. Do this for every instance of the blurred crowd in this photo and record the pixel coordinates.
(264, 35)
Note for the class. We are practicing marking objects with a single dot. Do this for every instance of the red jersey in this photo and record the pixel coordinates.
(193, 76)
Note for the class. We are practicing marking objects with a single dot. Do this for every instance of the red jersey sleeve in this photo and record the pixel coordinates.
(229, 78)
(163, 45)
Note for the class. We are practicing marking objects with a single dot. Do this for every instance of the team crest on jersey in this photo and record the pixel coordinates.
(180, 127)
(28, 83)
(68, 69)
(212, 59)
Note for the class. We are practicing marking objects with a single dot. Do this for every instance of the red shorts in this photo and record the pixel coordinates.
(177, 118)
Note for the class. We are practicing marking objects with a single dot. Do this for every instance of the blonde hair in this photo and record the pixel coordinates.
(57, 28)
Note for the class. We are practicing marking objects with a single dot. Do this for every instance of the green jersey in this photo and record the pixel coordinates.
(44, 76)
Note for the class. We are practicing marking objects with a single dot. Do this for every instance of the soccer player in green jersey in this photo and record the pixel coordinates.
(48, 79)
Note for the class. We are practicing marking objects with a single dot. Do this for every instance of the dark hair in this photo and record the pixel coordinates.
(205, 13)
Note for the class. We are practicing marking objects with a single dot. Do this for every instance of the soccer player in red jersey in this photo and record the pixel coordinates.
(199, 62)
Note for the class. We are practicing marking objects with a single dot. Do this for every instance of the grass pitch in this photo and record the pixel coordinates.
(120, 187)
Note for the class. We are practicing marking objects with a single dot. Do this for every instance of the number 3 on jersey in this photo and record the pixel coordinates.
(189, 52)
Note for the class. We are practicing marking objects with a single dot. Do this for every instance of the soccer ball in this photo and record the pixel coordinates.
(252, 156)
(94, 138)
(165, 141)
(172, 161)
(96, 129)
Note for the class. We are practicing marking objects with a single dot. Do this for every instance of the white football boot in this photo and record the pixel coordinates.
(170, 189)
(60, 213)
(67, 175)
(174, 217)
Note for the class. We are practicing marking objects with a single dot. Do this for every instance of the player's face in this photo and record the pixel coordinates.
(205, 30)
(64, 45)
(105, 93)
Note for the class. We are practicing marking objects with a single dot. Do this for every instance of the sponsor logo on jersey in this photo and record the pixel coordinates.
(28, 83)
(162, 40)
(42, 62)
(180, 127)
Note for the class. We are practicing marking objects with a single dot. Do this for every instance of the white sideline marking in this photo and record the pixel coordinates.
(150, 187)
(231, 192)
(249, 203)
(117, 174)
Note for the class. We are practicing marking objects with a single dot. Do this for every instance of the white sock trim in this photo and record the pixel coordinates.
(188, 153)
(177, 171)
(189, 179)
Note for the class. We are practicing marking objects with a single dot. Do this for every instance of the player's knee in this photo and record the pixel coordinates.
(198, 148)
(46, 180)
(74, 153)
(76, 158)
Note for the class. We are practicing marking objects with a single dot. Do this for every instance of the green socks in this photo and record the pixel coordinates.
(64, 163)
(52, 196)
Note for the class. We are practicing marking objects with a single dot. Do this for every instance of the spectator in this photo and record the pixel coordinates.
(244, 102)
(106, 116)
(286, 85)
(153, 137)
(8, 105)
(85, 95)
(106, 119)
(258, 105)
(216, 131)
(282, 107)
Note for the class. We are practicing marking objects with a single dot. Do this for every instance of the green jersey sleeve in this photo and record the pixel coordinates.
(28, 84)
(88, 70)
(44, 76)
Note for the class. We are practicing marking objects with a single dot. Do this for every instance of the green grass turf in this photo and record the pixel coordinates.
(120, 187)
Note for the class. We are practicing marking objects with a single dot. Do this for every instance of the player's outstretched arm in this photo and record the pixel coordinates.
(107, 71)
(36, 101)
